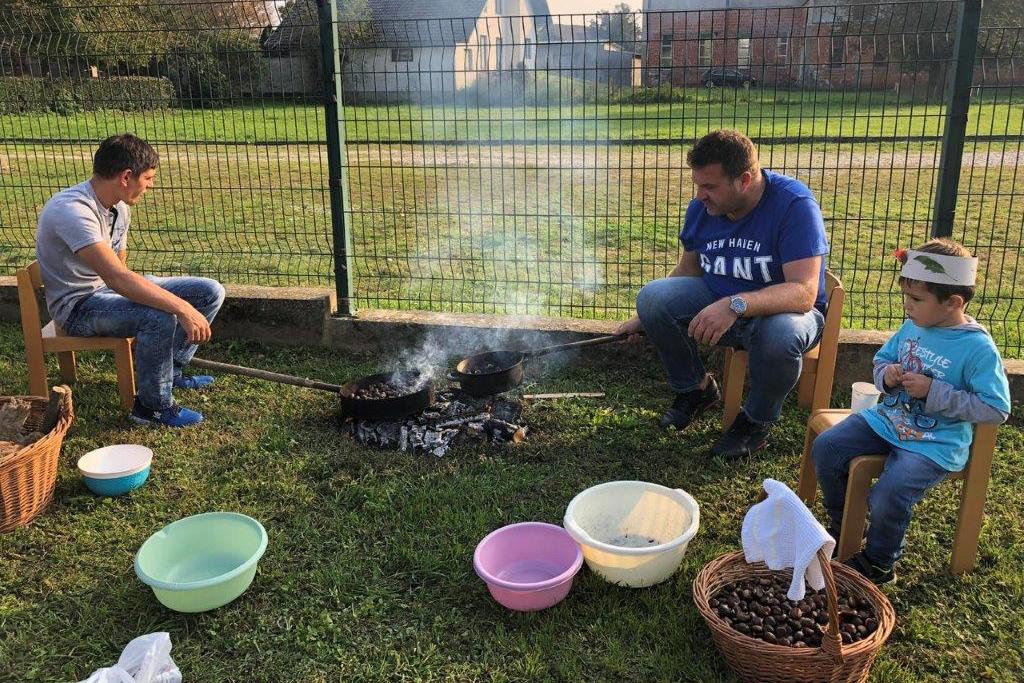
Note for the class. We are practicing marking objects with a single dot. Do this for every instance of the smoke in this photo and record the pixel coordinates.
(440, 349)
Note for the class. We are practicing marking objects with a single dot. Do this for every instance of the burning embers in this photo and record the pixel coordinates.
(494, 419)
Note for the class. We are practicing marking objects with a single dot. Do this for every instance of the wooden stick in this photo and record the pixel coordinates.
(263, 374)
(568, 394)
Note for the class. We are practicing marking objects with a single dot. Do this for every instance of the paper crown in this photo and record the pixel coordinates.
(938, 268)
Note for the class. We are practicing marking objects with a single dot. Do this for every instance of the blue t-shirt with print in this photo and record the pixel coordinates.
(748, 254)
(964, 356)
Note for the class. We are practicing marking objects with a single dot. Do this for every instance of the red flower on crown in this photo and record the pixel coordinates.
(900, 255)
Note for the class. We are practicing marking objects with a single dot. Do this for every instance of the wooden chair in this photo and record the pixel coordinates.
(42, 339)
(818, 373)
(866, 468)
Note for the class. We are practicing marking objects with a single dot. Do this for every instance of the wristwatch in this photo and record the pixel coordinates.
(738, 305)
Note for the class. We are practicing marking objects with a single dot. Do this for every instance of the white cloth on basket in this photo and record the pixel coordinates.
(781, 532)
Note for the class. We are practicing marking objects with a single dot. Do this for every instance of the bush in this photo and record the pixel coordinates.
(214, 70)
(19, 95)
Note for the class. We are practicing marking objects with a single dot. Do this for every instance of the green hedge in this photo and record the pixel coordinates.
(19, 95)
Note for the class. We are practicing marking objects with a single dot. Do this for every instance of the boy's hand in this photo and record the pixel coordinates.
(893, 376)
(917, 385)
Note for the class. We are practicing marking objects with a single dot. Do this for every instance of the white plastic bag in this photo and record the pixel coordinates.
(147, 659)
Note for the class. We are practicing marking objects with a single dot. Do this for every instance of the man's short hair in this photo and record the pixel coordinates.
(941, 291)
(124, 152)
(730, 148)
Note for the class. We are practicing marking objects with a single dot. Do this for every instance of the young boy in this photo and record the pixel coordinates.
(939, 373)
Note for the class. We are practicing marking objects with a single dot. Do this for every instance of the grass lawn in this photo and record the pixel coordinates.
(368, 574)
(544, 228)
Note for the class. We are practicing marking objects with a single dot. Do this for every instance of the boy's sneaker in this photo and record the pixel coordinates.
(875, 573)
(192, 381)
(688, 406)
(175, 416)
(743, 437)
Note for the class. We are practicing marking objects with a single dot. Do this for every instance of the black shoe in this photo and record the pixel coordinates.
(689, 406)
(875, 573)
(741, 439)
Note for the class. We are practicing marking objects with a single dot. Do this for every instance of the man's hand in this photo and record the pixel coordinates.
(708, 326)
(893, 376)
(197, 327)
(917, 385)
(632, 327)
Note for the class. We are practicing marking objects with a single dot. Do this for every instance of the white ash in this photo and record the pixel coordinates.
(496, 420)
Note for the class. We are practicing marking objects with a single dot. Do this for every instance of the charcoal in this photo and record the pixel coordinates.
(434, 431)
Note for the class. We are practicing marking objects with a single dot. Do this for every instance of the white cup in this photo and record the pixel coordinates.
(864, 396)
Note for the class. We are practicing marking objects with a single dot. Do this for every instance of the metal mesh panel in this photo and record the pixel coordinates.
(510, 161)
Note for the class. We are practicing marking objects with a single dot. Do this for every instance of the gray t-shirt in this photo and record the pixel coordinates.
(72, 220)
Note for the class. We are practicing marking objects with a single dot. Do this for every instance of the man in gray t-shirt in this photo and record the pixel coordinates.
(81, 246)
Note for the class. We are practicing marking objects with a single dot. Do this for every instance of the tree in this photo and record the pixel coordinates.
(619, 27)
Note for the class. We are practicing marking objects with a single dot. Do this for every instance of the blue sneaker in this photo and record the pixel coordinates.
(192, 381)
(175, 416)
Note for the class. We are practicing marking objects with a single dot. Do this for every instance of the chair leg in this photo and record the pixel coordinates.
(37, 372)
(68, 366)
(805, 390)
(807, 489)
(125, 374)
(855, 511)
(734, 375)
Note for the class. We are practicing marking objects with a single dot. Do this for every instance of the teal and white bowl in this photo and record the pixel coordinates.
(115, 470)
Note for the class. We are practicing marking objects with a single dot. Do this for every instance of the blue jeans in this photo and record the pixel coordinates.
(904, 481)
(776, 343)
(161, 349)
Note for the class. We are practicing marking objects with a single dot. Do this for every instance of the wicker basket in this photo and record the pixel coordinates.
(755, 660)
(28, 476)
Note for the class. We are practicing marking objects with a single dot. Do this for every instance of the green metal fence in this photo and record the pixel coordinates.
(510, 161)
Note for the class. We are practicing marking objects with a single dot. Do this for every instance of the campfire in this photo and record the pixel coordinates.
(494, 419)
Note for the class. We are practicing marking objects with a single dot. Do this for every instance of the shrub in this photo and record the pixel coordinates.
(213, 70)
(23, 94)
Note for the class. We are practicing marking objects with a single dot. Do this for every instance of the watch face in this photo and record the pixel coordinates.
(737, 305)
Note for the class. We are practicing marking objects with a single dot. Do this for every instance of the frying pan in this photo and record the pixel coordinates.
(512, 364)
(351, 405)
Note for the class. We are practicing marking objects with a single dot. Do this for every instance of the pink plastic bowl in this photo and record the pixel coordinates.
(528, 566)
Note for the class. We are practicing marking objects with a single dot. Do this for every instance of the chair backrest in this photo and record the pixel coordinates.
(30, 282)
(828, 347)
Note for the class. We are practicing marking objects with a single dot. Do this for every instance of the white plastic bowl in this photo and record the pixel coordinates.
(633, 533)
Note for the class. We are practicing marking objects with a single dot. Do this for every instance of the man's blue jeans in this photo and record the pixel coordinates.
(161, 350)
(904, 481)
(776, 343)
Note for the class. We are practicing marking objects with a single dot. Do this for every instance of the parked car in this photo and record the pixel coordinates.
(734, 77)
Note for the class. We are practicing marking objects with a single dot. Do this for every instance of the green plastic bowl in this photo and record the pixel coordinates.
(202, 562)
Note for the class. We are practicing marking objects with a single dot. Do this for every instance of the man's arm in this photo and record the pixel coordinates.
(129, 284)
(796, 295)
(689, 265)
(123, 255)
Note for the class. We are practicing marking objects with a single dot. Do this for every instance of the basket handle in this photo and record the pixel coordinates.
(831, 641)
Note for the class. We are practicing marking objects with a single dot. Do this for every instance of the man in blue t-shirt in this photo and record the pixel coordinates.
(752, 276)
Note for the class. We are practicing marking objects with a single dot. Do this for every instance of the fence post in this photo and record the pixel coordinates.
(330, 63)
(958, 100)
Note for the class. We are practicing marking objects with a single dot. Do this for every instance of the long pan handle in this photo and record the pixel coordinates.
(263, 374)
(607, 339)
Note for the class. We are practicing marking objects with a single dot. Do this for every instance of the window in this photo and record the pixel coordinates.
(666, 49)
(485, 52)
(499, 48)
(528, 50)
(401, 54)
(838, 52)
(704, 52)
(743, 53)
(469, 59)
(782, 50)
